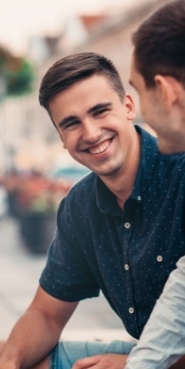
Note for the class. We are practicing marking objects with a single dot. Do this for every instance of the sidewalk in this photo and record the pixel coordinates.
(19, 274)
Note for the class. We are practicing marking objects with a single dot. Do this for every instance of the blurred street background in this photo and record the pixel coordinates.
(35, 171)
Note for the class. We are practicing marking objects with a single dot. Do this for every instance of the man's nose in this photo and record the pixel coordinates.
(91, 132)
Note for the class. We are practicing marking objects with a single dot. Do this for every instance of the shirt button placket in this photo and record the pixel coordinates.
(127, 225)
(126, 266)
(131, 310)
(159, 258)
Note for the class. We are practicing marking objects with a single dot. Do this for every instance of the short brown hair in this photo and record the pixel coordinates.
(160, 43)
(74, 68)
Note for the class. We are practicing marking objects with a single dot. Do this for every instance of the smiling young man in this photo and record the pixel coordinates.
(158, 74)
(91, 127)
(119, 230)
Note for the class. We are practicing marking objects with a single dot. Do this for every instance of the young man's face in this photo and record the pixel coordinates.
(94, 124)
(154, 113)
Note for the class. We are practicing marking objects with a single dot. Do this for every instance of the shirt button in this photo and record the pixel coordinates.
(126, 266)
(159, 258)
(127, 225)
(139, 198)
(131, 310)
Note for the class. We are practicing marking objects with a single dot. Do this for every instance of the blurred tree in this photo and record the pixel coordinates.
(16, 74)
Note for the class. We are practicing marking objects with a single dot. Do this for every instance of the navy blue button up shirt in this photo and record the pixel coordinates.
(128, 253)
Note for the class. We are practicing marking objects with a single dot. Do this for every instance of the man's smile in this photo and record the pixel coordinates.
(98, 149)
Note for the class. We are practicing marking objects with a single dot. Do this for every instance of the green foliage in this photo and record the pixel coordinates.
(19, 81)
(17, 73)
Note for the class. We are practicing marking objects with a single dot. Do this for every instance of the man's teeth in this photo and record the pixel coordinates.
(100, 148)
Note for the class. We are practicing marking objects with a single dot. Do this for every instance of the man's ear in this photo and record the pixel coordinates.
(167, 88)
(129, 103)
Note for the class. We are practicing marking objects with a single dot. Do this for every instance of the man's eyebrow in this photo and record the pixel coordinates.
(67, 120)
(99, 106)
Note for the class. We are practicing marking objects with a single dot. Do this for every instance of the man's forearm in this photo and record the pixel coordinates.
(30, 341)
(162, 342)
(36, 332)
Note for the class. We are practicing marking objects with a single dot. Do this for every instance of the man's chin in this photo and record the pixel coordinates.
(109, 173)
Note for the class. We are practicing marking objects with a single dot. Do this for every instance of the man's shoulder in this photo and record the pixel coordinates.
(80, 198)
(86, 187)
(85, 182)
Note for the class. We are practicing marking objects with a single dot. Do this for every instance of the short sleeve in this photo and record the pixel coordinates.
(67, 275)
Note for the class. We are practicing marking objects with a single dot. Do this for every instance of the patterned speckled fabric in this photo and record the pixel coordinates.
(127, 253)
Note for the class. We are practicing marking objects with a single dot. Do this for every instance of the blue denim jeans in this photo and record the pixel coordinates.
(65, 353)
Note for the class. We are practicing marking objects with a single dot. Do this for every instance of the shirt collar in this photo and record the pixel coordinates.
(149, 154)
(106, 200)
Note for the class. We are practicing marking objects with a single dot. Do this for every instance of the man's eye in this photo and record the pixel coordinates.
(70, 124)
(101, 111)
